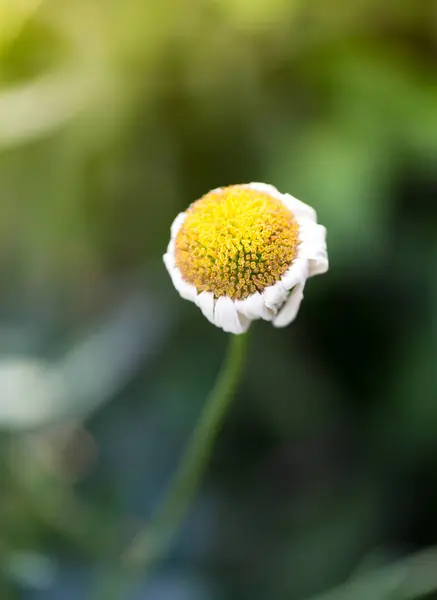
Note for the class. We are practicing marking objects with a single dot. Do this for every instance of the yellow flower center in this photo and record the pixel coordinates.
(236, 241)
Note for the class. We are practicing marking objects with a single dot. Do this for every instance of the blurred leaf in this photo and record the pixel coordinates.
(13, 16)
(344, 176)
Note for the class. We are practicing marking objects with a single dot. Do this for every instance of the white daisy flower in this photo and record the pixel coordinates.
(244, 252)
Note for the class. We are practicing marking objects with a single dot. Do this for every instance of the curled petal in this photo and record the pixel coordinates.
(266, 188)
(290, 309)
(253, 307)
(296, 273)
(313, 247)
(275, 296)
(278, 303)
(319, 262)
(186, 290)
(299, 208)
(205, 301)
(227, 317)
(169, 260)
(177, 224)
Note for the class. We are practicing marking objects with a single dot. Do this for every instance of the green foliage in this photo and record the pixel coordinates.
(114, 116)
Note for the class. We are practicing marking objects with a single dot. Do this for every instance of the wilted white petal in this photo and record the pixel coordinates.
(313, 248)
(319, 262)
(266, 188)
(253, 307)
(215, 190)
(288, 313)
(227, 317)
(169, 261)
(205, 301)
(244, 322)
(296, 273)
(177, 224)
(275, 295)
(186, 290)
(318, 266)
(275, 302)
(299, 208)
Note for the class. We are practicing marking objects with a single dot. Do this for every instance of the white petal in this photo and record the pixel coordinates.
(227, 318)
(288, 313)
(318, 266)
(296, 273)
(319, 262)
(185, 289)
(253, 307)
(244, 322)
(299, 208)
(205, 301)
(295, 206)
(275, 295)
(177, 224)
(215, 190)
(313, 246)
(266, 189)
(169, 261)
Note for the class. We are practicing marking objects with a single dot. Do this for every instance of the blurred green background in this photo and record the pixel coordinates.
(114, 116)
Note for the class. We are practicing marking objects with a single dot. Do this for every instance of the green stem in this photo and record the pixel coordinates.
(151, 543)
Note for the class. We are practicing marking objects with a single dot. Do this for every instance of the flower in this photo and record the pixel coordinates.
(244, 252)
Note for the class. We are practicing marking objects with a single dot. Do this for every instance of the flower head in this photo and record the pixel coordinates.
(244, 252)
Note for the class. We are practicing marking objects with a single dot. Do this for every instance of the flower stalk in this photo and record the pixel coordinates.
(151, 543)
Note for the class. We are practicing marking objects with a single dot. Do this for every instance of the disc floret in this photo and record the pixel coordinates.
(236, 241)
